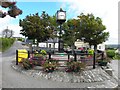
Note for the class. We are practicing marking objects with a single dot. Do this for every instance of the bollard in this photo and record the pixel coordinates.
(94, 61)
(16, 57)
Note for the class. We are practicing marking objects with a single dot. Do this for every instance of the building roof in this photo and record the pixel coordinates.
(55, 40)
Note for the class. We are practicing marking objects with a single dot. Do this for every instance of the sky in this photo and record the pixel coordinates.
(107, 10)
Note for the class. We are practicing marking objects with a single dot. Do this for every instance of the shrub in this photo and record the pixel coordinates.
(6, 43)
(43, 52)
(74, 66)
(38, 55)
(39, 58)
(110, 53)
(102, 63)
(20, 39)
(27, 64)
(117, 56)
(90, 51)
(50, 65)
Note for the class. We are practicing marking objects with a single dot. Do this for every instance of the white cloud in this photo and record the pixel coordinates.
(16, 28)
(105, 9)
(6, 22)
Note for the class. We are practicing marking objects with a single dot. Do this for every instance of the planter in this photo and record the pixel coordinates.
(102, 63)
(50, 70)
(14, 12)
(2, 15)
(7, 4)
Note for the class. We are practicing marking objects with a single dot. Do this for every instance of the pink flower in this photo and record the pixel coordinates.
(42, 62)
(68, 60)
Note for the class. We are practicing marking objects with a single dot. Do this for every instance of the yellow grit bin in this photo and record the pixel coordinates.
(22, 53)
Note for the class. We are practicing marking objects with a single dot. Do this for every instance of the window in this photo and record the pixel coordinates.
(49, 45)
(99, 47)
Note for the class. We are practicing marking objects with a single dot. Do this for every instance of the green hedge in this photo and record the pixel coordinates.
(116, 57)
(20, 39)
(110, 53)
(5, 43)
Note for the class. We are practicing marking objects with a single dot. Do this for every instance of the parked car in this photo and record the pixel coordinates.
(23, 43)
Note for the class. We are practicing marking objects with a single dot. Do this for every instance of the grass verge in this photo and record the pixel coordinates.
(6, 43)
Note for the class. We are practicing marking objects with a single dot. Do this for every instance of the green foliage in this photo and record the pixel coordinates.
(5, 43)
(54, 26)
(69, 35)
(43, 52)
(102, 63)
(27, 64)
(39, 58)
(90, 51)
(73, 66)
(110, 53)
(92, 29)
(50, 65)
(87, 26)
(117, 56)
(38, 55)
(20, 39)
(36, 27)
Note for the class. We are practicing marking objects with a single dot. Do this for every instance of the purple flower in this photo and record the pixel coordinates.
(42, 62)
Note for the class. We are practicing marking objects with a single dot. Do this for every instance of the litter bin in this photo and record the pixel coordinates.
(22, 53)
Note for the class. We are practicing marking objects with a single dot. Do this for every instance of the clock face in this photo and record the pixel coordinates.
(61, 16)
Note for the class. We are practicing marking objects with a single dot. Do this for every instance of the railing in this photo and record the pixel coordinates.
(83, 57)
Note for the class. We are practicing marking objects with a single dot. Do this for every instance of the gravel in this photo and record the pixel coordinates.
(86, 76)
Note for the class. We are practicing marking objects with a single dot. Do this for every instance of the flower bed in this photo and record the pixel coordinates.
(27, 64)
(50, 65)
(74, 66)
(34, 60)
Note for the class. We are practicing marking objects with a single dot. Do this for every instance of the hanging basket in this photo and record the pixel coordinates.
(2, 15)
(8, 4)
(14, 12)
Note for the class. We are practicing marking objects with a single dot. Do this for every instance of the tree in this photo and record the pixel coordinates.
(36, 27)
(70, 31)
(55, 29)
(13, 9)
(7, 33)
(92, 29)
(54, 26)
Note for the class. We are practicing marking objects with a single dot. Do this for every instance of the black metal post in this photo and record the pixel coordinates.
(68, 56)
(28, 54)
(75, 56)
(94, 61)
(16, 57)
(60, 47)
(102, 55)
(49, 55)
